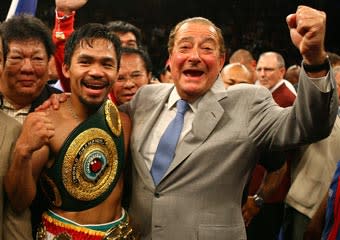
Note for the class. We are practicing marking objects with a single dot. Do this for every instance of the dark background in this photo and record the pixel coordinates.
(255, 25)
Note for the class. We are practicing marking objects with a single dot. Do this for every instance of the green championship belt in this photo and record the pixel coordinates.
(89, 163)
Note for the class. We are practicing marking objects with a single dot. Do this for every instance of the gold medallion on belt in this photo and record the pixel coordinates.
(90, 164)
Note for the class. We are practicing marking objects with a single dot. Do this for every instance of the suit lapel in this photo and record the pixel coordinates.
(153, 109)
(203, 124)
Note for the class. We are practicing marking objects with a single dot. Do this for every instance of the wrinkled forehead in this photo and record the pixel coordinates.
(197, 29)
(267, 61)
(26, 46)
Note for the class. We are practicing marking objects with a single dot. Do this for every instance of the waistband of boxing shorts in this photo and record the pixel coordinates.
(55, 226)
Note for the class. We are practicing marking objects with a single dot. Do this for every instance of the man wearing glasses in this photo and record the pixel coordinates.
(270, 71)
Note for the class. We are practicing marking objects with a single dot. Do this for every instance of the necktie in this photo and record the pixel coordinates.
(167, 144)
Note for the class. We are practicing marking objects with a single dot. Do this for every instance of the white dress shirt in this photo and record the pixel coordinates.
(169, 112)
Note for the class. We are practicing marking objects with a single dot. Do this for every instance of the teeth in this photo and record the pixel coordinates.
(94, 86)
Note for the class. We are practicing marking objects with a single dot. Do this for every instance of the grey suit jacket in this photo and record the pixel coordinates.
(12, 226)
(200, 195)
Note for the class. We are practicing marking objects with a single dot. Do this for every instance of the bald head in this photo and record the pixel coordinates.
(235, 73)
(245, 57)
(241, 56)
(292, 74)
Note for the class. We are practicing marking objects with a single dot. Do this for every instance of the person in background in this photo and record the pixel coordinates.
(323, 215)
(130, 36)
(135, 71)
(311, 174)
(292, 75)
(334, 58)
(245, 57)
(195, 190)
(267, 223)
(77, 153)
(27, 48)
(325, 223)
(235, 73)
(165, 75)
(9, 131)
(270, 72)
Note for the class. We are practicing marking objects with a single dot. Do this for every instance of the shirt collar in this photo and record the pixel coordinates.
(9, 106)
(174, 97)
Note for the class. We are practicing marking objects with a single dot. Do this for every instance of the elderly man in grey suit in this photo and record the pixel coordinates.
(197, 194)
(193, 144)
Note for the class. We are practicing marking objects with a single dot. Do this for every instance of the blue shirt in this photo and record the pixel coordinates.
(329, 220)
